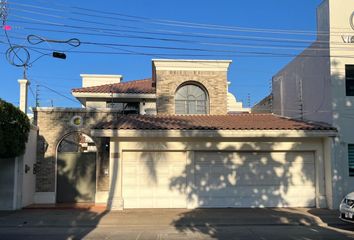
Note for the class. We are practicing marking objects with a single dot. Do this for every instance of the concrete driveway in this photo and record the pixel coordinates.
(268, 223)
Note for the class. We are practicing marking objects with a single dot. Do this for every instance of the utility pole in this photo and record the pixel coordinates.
(37, 95)
(271, 95)
(3, 12)
(300, 96)
(249, 100)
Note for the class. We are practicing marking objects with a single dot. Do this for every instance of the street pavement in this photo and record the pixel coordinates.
(139, 224)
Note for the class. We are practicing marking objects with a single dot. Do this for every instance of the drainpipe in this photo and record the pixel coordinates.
(23, 94)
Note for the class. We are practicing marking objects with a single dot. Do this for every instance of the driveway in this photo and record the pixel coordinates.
(267, 223)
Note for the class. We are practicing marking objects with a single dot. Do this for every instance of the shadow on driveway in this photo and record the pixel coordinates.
(62, 222)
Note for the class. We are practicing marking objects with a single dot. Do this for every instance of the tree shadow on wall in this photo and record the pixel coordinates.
(237, 173)
(243, 177)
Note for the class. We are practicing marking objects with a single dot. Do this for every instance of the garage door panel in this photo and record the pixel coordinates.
(256, 191)
(253, 158)
(245, 202)
(263, 178)
(148, 185)
(255, 182)
(220, 179)
(243, 177)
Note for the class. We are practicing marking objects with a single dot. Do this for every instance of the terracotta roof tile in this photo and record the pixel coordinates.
(210, 122)
(143, 86)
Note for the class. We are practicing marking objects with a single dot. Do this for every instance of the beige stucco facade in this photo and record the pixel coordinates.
(129, 142)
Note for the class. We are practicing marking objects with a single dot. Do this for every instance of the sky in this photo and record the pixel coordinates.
(121, 37)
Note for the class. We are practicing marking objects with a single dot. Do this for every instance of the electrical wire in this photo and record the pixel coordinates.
(180, 41)
(58, 93)
(263, 46)
(170, 32)
(206, 52)
(133, 18)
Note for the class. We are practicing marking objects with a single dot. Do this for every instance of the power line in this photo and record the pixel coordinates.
(214, 44)
(182, 41)
(206, 52)
(134, 18)
(125, 26)
(58, 93)
(170, 32)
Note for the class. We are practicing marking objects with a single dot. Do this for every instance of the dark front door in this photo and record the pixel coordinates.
(76, 177)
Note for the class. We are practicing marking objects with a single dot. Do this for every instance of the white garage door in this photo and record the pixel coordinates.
(147, 179)
(254, 179)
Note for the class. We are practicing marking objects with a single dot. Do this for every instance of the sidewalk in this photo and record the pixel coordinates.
(171, 217)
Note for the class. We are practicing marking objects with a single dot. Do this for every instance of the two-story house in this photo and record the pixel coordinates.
(177, 140)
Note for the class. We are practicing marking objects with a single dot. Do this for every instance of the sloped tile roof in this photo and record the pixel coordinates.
(210, 122)
(143, 86)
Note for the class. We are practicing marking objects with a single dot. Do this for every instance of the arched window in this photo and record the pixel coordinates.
(191, 99)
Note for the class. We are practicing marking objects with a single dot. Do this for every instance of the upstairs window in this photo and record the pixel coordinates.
(125, 108)
(191, 99)
(351, 159)
(349, 80)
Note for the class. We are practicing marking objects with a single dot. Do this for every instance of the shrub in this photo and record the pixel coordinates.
(14, 130)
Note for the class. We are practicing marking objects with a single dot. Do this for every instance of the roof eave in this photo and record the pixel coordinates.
(213, 133)
(114, 95)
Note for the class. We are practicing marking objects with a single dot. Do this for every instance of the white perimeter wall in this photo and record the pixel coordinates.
(29, 178)
(17, 187)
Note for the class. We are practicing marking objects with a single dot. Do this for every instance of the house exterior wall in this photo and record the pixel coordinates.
(317, 86)
(54, 124)
(122, 145)
(95, 104)
(90, 80)
(168, 75)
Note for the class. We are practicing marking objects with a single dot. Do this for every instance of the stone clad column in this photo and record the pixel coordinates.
(23, 94)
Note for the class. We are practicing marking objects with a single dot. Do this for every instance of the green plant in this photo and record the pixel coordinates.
(14, 130)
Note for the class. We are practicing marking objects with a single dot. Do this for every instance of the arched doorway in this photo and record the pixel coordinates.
(76, 169)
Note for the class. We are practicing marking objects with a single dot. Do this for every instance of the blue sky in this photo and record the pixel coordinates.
(169, 30)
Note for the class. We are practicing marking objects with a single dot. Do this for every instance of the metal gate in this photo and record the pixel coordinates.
(76, 177)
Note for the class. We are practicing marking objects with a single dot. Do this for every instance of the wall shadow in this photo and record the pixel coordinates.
(64, 223)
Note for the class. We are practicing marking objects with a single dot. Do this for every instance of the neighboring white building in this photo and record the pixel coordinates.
(318, 85)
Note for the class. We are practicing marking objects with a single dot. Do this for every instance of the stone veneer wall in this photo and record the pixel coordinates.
(54, 124)
(168, 81)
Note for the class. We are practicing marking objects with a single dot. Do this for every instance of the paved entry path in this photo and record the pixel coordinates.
(258, 224)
